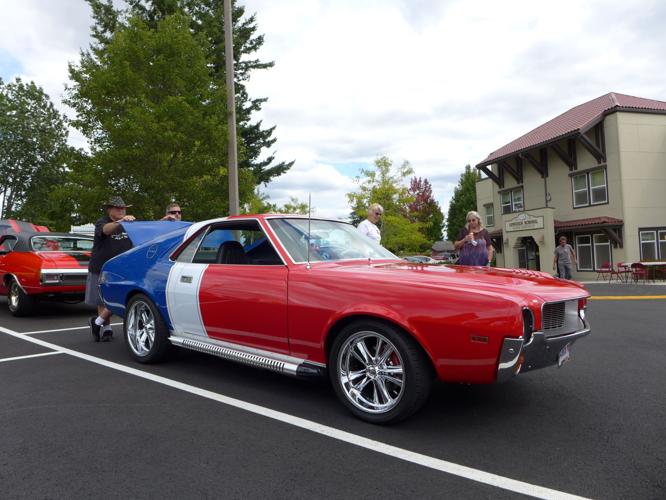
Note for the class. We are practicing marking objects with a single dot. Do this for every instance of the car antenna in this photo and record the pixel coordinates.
(307, 266)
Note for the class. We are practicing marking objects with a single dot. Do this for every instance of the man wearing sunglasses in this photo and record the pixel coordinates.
(173, 212)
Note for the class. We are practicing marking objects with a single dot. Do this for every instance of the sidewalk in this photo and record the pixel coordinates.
(603, 288)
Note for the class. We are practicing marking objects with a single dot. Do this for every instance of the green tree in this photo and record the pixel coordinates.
(207, 24)
(425, 209)
(33, 155)
(260, 204)
(385, 184)
(464, 200)
(154, 123)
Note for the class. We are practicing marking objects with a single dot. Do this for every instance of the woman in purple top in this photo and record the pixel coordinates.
(473, 243)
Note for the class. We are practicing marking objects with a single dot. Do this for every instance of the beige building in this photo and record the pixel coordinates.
(595, 174)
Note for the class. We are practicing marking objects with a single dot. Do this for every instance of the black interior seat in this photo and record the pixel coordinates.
(231, 252)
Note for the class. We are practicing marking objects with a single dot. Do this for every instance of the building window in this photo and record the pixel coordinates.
(653, 243)
(584, 253)
(589, 188)
(593, 251)
(512, 200)
(602, 250)
(490, 215)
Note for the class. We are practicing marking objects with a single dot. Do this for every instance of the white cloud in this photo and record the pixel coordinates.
(440, 84)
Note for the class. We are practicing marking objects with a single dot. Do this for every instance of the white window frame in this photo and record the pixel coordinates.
(512, 200)
(588, 188)
(654, 241)
(522, 200)
(505, 205)
(579, 253)
(574, 191)
(489, 214)
(662, 255)
(597, 264)
(591, 187)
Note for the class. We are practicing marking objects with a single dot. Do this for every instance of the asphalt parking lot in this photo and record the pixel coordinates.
(81, 419)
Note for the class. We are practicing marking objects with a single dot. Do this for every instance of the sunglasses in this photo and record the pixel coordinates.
(174, 212)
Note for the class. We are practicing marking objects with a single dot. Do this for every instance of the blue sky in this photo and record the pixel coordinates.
(9, 67)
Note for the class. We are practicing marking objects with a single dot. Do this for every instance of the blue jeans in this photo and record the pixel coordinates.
(564, 270)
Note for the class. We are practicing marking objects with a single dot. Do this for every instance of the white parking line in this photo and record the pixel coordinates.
(30, 356)
(63, 329)
(331, 432)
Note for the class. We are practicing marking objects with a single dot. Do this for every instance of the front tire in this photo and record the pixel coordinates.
(146, 333)
(19, 303)
(379, 372)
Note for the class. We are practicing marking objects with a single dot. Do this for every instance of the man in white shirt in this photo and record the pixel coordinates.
(369, 226)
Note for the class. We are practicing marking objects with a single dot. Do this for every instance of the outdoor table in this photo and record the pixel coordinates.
(651, 267)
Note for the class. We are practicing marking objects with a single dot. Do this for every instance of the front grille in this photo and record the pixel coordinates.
(553, 316)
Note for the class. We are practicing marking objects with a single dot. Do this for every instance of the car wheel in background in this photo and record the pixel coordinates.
(20, 304)
(146, 334)
(378, 372)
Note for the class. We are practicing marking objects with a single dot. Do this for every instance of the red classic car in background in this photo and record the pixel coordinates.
(36, 264)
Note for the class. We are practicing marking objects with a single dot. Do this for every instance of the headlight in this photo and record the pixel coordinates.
(528, 325)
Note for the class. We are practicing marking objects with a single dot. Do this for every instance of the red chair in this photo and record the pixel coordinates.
(639, 272)
(623, 272)
(607, 271)
(604, 272)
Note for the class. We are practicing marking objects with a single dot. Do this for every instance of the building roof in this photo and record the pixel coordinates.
(576, 120)
(590, 221)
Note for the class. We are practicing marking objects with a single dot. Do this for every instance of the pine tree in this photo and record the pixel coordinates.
(464, 200)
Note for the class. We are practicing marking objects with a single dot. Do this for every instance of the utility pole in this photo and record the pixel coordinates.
(231, 108)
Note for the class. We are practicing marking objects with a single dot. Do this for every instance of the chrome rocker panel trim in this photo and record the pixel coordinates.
(257, 358)
(516, 356)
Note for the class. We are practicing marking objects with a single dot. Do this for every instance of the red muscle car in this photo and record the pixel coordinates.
(308, 297)
(42, 265)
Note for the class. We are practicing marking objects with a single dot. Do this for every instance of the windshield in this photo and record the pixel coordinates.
(61, 243)
(329, 241)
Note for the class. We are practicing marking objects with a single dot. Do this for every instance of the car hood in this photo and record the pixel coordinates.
(141, 232)
(64, 260)
(517, 282)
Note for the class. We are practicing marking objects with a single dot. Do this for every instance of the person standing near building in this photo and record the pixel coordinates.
(110, 240)
(563, 257)
(473, 242)
(369, 226)
(172, 212)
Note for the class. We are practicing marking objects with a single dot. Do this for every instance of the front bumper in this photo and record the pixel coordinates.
(517, 356)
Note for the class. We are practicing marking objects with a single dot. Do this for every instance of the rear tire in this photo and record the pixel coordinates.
(146, 333)
(19, 303)
(379, 372)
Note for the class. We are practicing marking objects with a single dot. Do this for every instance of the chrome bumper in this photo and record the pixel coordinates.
(517, 356)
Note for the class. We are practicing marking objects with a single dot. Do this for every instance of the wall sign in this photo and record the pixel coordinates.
(524, 222)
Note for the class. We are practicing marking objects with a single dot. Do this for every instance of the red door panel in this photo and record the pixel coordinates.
(246, 304)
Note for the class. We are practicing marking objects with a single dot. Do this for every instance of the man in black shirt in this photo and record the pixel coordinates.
(110, 240)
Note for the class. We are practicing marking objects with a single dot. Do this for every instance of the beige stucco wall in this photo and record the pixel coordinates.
(642, 156)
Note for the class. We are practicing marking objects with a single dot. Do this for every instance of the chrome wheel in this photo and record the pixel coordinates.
(371, 372)
(140, 328)
(13, 298)
(18, 302)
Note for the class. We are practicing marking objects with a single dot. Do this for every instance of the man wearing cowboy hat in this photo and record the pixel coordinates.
(110, 240)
